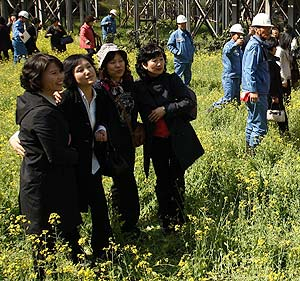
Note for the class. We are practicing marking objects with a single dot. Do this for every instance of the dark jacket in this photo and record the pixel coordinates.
(47, 180)
(5, 42)
(31, 42)
(108, 116)
(57, 33)
(169, 91)
(275, 78)
(82, 138)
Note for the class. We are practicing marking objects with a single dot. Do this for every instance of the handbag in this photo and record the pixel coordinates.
(276, 115)
(67, 39)
(113, 164)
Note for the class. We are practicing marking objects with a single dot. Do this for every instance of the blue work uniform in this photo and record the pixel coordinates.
(256, 79)
(108, 25)
(17, 43)
(232, 56)
(181, 45)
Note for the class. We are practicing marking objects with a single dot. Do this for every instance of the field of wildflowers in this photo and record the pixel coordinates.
(244, 221)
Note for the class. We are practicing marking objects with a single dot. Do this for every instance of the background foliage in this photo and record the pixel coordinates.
(243, 212)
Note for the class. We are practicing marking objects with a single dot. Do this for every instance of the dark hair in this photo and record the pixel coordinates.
(69, 65)
(146, 53)
(35, 21)
(285, 41)
(110, 56)
(89, 19)
(33, 69)
(54, 19)
(2, 20)
(271, 43)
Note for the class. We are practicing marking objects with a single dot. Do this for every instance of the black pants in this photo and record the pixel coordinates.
(101, 229)
(170, 186)
(125, 198)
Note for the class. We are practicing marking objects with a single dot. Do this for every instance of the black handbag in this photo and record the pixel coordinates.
(67, 39)
(113, 164)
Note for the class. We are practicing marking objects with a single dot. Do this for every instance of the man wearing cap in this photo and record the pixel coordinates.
(108, 25)
(18, 30)
(181, 45)
(232, 67)
(256, 81)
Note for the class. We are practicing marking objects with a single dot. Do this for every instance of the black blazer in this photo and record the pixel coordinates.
(169, 91)
(82, 138)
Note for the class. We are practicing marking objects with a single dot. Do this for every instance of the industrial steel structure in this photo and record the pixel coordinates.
(217, 15)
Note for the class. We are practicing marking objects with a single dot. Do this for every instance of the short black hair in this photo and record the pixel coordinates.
(35, 21)
(69, 65)
(285, 40)
(33, 69)
(271, 43)
(54, 19)
(146, 53)
(110, 56)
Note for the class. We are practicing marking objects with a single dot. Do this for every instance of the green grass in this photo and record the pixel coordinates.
(244, 221)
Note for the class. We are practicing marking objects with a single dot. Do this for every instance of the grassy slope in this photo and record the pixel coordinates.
(244, 222)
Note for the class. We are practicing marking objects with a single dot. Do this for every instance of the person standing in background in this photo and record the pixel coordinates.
(232, 56)
(5, 43)
(18, 29)
(256, 81)
(33, 30)
(56, 33)
(88, 36)
(109, 26)
(181, 46)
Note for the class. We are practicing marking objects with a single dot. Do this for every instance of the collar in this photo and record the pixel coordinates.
(83, 95)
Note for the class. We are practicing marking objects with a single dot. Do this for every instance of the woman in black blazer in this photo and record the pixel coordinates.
(79, 104)
(171, 142)
(47, 179)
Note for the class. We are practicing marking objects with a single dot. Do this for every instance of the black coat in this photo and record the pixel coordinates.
(5, 42)
(82, 138)
(108, 116)
(57, 33)
(47, 180)
(169, 91)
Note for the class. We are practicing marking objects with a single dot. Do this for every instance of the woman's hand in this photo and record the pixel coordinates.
(275, 100)
(57, 96)
(101, 136)
(16, 145)
(157, 113)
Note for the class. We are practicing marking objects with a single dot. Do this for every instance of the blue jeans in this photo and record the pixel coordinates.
(256, 126)
(231, 87)
(183, 69)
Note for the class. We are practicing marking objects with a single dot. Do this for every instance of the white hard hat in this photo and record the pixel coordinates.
(24, 14)
(113, 12)
(262, 19)
(181, 19)
(236, 28)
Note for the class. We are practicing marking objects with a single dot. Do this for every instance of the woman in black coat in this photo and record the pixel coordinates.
(171, 142)
(5, 42)
(47, 179)
(80, 104)
(119, 115)
(56, 32)
(275, 99)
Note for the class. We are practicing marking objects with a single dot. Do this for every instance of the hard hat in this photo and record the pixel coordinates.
(262, 19)
(181, 19)
(113, 12)
(24, 14)
(236, 28)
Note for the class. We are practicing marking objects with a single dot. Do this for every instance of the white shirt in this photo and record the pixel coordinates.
(91, 111)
